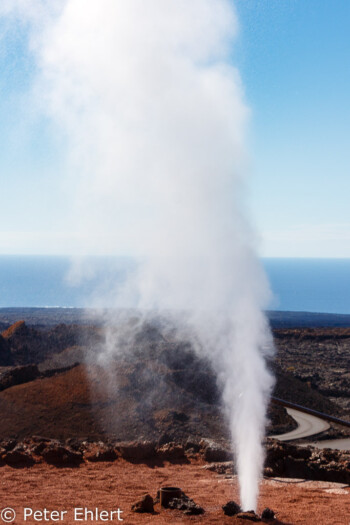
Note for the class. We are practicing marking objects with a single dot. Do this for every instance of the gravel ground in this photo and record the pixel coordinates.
(109, 486)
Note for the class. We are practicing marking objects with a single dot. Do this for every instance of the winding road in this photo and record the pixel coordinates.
(308, 425)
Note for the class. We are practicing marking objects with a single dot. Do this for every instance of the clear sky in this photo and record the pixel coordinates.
(294, 60)
(294, 57)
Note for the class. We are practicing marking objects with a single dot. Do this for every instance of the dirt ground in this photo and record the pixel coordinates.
(109, 486)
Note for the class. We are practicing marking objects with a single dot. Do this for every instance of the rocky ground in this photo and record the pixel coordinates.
(51, 384)
(282, 460)
(320, 357)
(153, 416)
(119, 484)
(44, 474)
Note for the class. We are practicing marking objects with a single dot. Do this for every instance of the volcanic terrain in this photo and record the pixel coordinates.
(58, 400)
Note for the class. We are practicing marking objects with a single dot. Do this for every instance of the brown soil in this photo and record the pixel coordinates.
(109, 486)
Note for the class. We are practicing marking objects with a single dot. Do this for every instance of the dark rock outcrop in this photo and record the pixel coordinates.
(9, 444)
(213, 452)
(30, 345)
(61, 456)
(186, 505)
(136, 451)
(231, 508)
(18, 457)
(5, 353)
(291, 461)
(19, 375)
(171, 452)
(101, 453)
(282, 459)
(22, 341)
(268, 514)
(144, 505)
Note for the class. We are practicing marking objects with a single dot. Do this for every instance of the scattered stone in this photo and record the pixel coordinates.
(291, 461)
(186, 505)
(192, 445)
(213, 452)
(144, 505)
(74, 443)
(268, 514)
(136, 451)
(231, 508)
(101, 454)
(9, 444)
(61, 456)
(171, 452)
(250, 516)
(18, 458)
(224, 467)
(38, 448)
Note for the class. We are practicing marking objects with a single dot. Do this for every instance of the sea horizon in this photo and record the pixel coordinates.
(319, 285)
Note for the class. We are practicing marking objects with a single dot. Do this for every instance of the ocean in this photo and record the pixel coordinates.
(298, 285)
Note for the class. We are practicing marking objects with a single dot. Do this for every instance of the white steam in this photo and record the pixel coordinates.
(153, 112)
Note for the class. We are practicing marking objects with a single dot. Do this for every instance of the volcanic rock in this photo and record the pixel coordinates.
(5, 353)
(60, 456)
(192, 444)
(144, 505)
(9, 444)
(20, 339)
(231, 508)
(101, 453)
(186, 505)
(17, 329)
(19, 375)
(307, 357)
(38, 448)
(223, 467)
(268, 514)
(183, 409)
(291, 461)
(213, 452)
(250, 516)
(136, 451)
(171, 452)
(18, 458)
(40, 439)
(30, 345)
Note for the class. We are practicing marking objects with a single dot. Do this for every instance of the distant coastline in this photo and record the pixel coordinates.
(297, 285)
(57, 315)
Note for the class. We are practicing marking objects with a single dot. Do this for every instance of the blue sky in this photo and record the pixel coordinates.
(293, 57)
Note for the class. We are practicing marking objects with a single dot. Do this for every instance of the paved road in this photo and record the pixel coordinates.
(338, 444)
(308, 425)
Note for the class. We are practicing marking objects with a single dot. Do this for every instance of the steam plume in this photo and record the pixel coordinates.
(153, 112)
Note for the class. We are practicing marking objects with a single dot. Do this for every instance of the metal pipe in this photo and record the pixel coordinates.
(321, 415)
